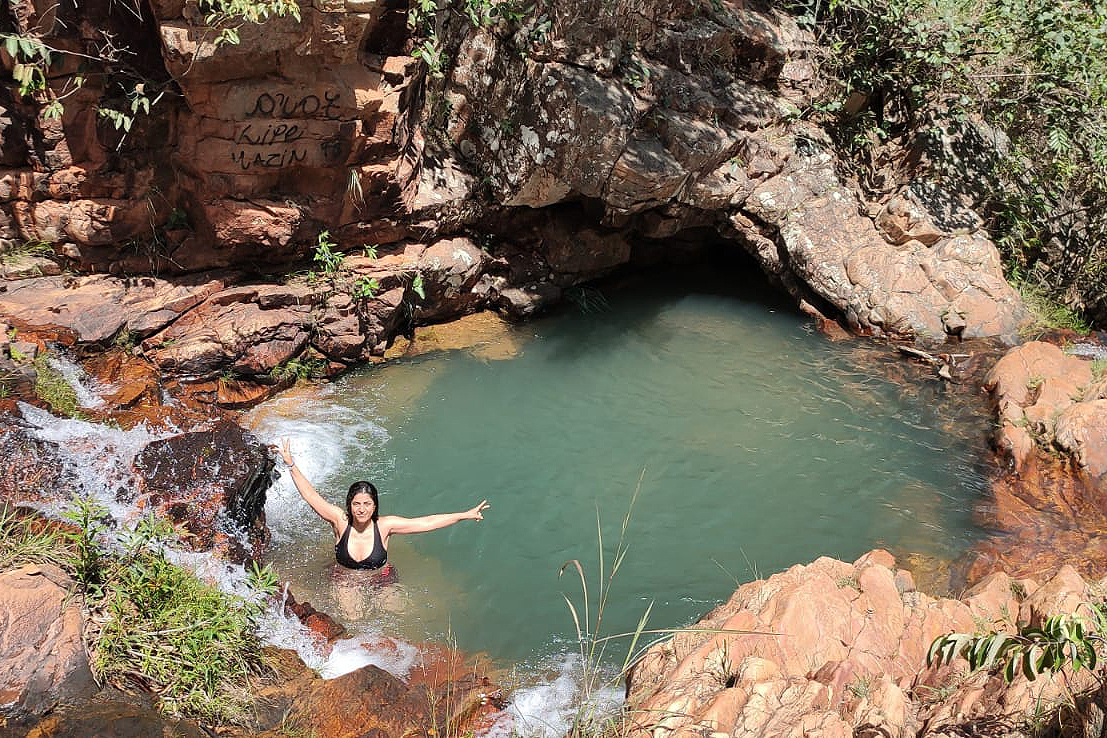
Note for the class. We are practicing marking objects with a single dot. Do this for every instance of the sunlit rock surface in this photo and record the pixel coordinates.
(1047, 507)
(42, 654)
(832, 648)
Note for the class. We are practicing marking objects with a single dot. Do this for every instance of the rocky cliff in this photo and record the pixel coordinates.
(526, 150)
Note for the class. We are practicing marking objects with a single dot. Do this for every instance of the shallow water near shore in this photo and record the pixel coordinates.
(759, 444)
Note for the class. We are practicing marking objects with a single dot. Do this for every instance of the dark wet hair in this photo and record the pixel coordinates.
(358, 488)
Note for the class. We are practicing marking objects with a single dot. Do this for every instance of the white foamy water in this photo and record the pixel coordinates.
(87, 389)
(1089, 350)
(322, 435)
(548, 710)
(99, 459)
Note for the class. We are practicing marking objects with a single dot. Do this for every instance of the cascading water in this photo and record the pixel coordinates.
(99, 458)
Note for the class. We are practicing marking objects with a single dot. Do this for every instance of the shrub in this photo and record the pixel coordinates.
(1033, 72)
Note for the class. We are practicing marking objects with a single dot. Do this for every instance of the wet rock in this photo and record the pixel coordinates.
(1046, 508)
(113, 714)
(31, 470)
(319, 623)
(42, 655)
(367, 701)
(214, 483)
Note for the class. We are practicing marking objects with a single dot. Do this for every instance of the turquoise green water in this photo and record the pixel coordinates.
(759, 443)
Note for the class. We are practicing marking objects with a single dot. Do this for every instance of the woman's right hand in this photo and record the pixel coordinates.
(286, 452)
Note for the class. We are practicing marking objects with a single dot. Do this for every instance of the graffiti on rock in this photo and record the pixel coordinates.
(275, 145)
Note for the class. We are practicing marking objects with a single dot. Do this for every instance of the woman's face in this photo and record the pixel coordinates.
(362, 507)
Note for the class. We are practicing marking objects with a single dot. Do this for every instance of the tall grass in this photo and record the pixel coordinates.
(1048, 314)
(589, 721)
(25, 540)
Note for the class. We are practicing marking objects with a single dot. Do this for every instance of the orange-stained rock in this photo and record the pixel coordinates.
(96, 309)
(1047, 509)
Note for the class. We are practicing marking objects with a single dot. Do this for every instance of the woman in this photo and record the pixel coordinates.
(361, 536)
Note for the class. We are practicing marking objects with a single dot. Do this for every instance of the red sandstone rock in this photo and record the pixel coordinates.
(96, 309)
(212, 481)
(42, 655)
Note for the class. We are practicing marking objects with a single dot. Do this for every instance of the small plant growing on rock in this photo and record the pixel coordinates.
(326, 257)
(297, 369)
(1062, 641)
(54, 389)
(364, 288)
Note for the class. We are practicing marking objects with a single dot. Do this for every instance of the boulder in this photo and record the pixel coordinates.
(953, 286)
(213, 482)
(42, 655)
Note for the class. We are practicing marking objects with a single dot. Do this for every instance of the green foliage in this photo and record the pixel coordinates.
(153, 622)
(1035, 72)
(1063, 641)
(30, 60)
(429, 52)
(54, 389)
(364, 288)
(1099, 369)
(417, 286)
(1048, 313)
(32, 247)
(297, 369)
(88, 559)
(23, 540)
(228, 16)
(326, 257)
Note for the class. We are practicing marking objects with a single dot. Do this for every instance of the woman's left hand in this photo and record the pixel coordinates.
(476, 512)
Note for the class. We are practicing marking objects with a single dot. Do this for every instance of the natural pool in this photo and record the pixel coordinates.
(760, 444)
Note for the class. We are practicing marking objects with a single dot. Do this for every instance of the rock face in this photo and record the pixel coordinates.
(838, 649)
(1047, 508)
(569, 140)
(42, 655)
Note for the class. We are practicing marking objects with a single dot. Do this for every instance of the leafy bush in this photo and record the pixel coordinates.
(1063, 641)
(1033, 73)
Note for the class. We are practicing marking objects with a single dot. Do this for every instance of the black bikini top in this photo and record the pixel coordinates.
(376, 558)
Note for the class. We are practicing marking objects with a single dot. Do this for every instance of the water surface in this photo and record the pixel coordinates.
(759, 444)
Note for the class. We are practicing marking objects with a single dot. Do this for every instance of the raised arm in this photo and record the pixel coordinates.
(395, 524)
(333, 514)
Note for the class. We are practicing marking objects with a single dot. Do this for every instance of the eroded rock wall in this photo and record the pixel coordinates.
(566, 138)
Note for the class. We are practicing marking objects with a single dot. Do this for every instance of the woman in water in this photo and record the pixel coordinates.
(361, 536)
